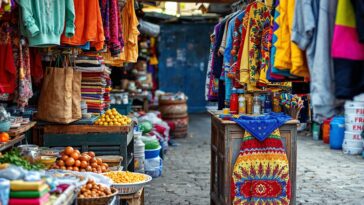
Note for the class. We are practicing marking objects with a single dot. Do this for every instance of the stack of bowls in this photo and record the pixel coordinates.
(354, 126)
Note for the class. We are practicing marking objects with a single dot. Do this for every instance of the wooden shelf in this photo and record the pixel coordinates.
(81, 129)
(11, 143)
(18, 131)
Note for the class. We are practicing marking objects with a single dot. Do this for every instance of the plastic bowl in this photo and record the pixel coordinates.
(5, 126)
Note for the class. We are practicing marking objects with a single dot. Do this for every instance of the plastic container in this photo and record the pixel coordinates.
(150, 142)
(352, 136)
(234, 102)
(326, 130)
(139, 153)
(337, 130)
(354, 127)
(152, 153)
(154, 167)
(5, 126)
(4, 191)
(316, 131)
(354, 118)
(354, 108)
(353, 143)
(352, 150)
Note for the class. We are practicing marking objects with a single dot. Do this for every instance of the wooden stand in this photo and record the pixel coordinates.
(17, 135)
(103, 140)
(133, 199)
(226, 139)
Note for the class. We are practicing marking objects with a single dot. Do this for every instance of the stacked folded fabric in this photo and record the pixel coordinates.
(28, 193)
(96, 82)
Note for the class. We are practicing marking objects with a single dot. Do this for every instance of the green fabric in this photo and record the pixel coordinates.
(43, 21)
(29, 194)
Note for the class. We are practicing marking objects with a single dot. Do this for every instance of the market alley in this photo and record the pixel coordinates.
(324, 176)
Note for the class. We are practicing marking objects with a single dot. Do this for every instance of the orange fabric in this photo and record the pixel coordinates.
(88, 25)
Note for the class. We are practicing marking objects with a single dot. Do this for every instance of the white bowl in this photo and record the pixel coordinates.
(353, 143)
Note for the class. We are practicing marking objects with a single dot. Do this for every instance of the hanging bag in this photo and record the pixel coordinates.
(60, 97)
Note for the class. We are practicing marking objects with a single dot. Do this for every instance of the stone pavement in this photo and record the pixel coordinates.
(324, 176)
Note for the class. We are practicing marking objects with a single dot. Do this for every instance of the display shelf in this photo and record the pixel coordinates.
(20, 130)
(11, 143)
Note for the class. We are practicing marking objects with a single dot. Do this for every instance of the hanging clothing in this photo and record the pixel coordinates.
(130, 32)
(211, 89)
(218, 58)
(43, 21)
(112, 26)
(288, 54)
(359, 16)
(313, 31)
(7, 65)
(261, 171)
(256, 45)
(345, 28)
(348, 55)
(88, 25)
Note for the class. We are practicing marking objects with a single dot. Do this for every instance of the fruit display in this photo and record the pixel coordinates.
(113, 118)
(71, 159)
(93, 190)
(4, 137)
(122, 177)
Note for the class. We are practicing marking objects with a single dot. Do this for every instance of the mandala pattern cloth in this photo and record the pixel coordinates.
(261, 172)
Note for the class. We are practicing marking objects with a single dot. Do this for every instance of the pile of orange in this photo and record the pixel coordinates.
(113, 118)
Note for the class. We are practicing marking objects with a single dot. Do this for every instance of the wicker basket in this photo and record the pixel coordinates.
(132, 187)
(114, 161)
(99, 200)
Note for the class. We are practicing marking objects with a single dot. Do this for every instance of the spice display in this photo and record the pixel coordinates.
(125, 177)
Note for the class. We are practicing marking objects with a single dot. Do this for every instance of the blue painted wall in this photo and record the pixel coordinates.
(184, 53)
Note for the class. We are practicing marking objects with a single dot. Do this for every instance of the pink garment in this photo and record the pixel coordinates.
(346, 43)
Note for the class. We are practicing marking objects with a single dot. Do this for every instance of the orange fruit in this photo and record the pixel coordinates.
(4, 137)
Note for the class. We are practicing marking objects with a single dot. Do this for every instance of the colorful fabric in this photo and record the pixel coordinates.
(257, 43)
(288, 54)
(211, 82)
(261, 172)
(112, 26)
(262, 126)
(30, 194)
(345, 28)
(7, 65)
(88, 25)
(36, 201)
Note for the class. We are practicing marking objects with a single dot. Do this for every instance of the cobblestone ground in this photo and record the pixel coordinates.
(324, 176)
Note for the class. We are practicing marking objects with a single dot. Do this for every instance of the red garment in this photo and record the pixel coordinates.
(7, 69)
(36, 68)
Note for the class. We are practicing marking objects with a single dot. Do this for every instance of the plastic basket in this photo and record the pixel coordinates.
(122, 109)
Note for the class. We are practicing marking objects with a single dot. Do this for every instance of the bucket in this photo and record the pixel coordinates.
(354, 108)
(354, 127)
(139, 154)
(352, 135)
(154, 167)
(326, 130)
(353, 143)
(354, 118)
(152, 153)
(352, 150)
(337, 130)
(315, 131)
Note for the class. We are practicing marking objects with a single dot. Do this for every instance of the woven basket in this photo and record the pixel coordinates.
(99, 200)
(132, 187)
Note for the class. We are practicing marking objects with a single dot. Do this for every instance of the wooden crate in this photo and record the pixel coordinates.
(99, 139)
(226, 138)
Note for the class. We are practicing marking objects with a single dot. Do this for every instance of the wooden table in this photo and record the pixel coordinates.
(103, 140)
(16, 135)
(133, 199)
(226, 139)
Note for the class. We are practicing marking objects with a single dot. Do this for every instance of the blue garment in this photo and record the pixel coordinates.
(262, 126)
(227, 54)
(218, 59)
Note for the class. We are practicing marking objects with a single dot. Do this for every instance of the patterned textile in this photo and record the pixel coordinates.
(112, 26)
(261, 172)
(262, 126)
(257, 43)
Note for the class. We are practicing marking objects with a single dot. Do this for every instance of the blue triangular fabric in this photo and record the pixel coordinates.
(262, 126)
